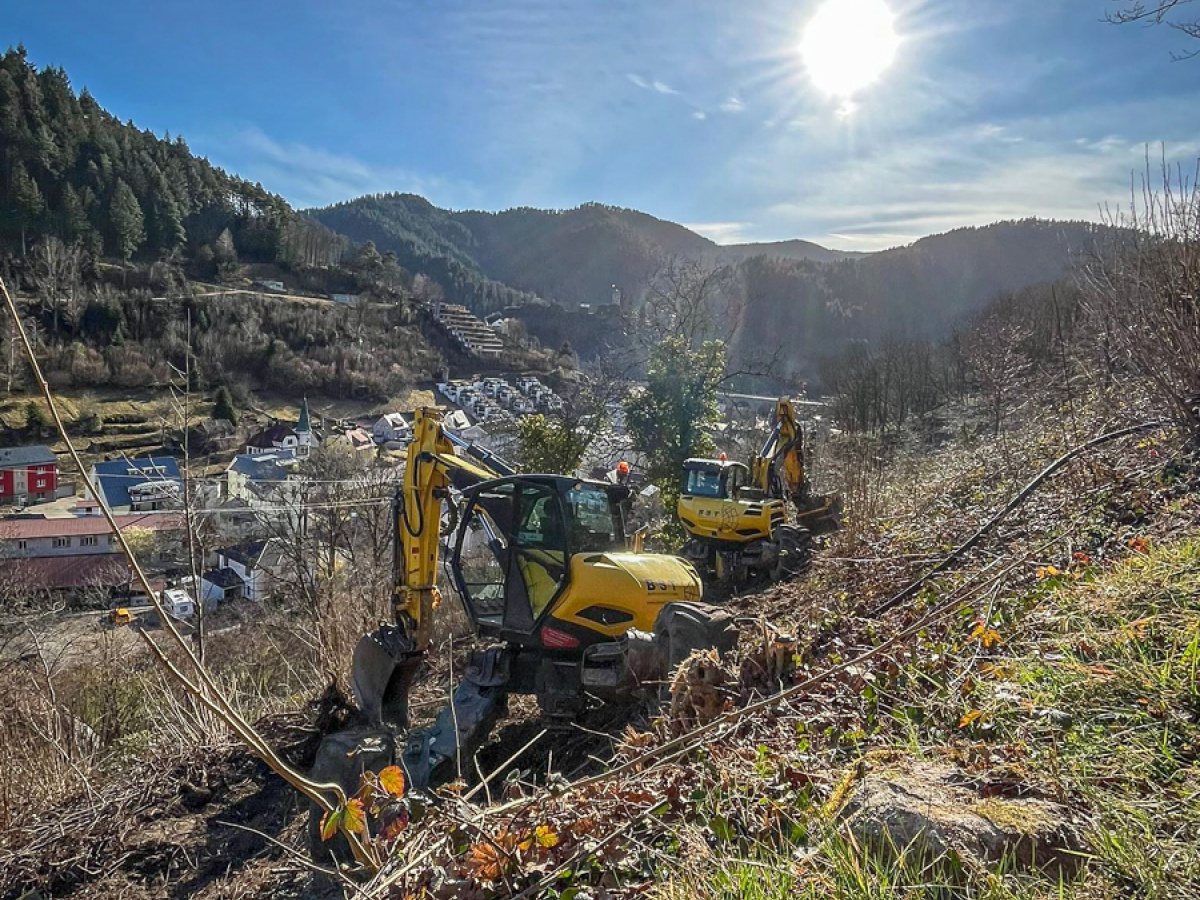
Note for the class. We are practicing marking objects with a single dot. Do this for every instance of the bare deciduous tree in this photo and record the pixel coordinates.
(1159, 12)
(1144, 290)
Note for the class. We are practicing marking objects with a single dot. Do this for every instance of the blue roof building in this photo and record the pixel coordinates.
(139, 485)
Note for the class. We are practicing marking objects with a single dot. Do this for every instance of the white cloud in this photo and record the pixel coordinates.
(869, 204)
(655, 85)
(700, 115)
(720, 232)
(733, 105)
(313, 176)
(878, 180)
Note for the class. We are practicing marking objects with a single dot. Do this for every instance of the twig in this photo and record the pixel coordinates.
(292, 853)
(1013, 504)
(508, 762)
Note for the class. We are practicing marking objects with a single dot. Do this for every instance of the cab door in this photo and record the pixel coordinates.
(539, 570)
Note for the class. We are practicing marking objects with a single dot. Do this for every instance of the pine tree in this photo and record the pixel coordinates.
(72, 217)
(30, 207)
(168, 223)
(36, 419)
(128, 223)
(223, 407)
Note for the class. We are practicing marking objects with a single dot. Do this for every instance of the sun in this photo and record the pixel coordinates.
(848, 44)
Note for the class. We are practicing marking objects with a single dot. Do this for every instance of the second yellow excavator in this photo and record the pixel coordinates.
(761, 518)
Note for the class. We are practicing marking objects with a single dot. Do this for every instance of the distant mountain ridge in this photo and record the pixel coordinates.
(808, 299)
(571, 256)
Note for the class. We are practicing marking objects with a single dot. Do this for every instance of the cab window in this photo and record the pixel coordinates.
(701, 483)
(540, 549)
(591, 520)
(737, 478)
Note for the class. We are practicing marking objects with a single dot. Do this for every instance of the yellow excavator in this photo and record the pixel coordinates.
(756, 519)
(564, 608)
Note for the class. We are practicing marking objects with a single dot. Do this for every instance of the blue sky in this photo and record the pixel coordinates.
(692, 110)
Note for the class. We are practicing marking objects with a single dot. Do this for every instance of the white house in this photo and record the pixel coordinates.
(259, 479)
(256, 565)
(392, 427)
(281, 436)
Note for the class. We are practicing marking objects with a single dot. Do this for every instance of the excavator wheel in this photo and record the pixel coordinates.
(795, 552)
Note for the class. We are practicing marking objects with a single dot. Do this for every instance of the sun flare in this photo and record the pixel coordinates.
(848, 44)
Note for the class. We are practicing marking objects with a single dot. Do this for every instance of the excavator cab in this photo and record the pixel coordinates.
(540, 561)
(718, 478)
(511, 553)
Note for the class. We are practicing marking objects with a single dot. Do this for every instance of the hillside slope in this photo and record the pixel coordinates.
(571, 256)
(923, 290)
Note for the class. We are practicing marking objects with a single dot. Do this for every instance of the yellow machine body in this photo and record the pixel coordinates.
(716, 509)
(633, 585)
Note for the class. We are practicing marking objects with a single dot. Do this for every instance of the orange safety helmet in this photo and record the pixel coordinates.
(722, 457)
(622, 468)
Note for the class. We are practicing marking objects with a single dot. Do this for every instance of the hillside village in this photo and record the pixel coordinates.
(52, 538)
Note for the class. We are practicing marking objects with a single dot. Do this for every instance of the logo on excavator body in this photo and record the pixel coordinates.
(656, 586)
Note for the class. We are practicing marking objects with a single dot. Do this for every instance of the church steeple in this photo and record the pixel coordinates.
(305, 423)
(304, 436)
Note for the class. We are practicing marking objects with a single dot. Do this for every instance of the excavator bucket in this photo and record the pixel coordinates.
(382, 671)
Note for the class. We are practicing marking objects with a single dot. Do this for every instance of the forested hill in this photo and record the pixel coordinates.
(72, 170)
(922, 290)
(571, 256)
(425, 240)
(793, 293)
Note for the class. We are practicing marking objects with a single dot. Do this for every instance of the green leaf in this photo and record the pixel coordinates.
(331, 821)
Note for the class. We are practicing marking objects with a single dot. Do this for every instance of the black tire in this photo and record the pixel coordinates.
(795, 552)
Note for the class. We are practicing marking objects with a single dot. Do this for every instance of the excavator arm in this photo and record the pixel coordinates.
(779, 471)
(386, 661)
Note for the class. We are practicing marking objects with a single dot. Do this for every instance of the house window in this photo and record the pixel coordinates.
(62, 542)
(87, 541)
(22, 545)
(112, 539)
(41, 482)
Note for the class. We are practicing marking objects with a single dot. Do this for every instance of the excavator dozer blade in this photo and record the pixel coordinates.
(381, 674)
(823, 514)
